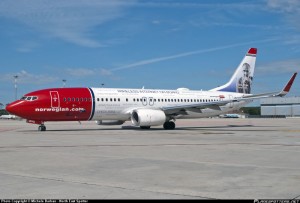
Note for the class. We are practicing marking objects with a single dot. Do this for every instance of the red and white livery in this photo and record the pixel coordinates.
(144, 107)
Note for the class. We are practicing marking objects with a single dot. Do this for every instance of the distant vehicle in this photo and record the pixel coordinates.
(8, 117)
(231, 116)
(144, 107)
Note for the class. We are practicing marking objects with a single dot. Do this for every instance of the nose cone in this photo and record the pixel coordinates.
(14, 108)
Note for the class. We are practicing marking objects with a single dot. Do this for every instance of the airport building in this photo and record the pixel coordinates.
(280, 107)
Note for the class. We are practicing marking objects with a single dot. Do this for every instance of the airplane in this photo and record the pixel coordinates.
(231, 115)
(144, 107)
(8, 117)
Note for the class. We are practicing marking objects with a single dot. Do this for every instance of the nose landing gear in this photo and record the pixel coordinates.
(42, 127)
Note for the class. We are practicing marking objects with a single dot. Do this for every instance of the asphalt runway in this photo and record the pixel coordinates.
(201, 159)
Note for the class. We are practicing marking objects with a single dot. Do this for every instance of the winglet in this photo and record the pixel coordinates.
(288, 86)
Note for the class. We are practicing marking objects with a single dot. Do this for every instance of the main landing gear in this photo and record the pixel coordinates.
(42, 127)
(169, 125)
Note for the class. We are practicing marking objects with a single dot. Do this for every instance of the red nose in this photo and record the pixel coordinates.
(14, 108)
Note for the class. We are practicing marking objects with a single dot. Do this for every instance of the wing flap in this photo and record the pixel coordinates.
(197, 107)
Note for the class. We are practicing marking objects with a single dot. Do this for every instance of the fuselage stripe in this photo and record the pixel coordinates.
(93, 104)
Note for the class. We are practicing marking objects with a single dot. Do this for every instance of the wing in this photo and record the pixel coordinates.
(181, 109)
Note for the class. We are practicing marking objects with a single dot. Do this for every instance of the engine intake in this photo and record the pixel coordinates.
(148, 117)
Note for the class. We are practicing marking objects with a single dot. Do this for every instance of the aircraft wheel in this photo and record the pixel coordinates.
(145, 127)
(169, 125)
(42, 128)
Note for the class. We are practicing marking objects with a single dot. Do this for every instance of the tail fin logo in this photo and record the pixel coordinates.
(242, 78)
(245, 81)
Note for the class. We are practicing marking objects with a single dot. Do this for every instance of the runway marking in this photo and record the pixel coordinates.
(148, 145)
(7, 129)
(292, 131)
(102, 185)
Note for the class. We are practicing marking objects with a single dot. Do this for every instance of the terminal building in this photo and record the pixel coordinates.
(280, 107)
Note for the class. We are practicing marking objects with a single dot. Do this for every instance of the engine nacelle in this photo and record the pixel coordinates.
(109, 122)
(148, 117)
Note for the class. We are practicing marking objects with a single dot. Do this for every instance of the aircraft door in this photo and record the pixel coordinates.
(54, 99)
(151, 101)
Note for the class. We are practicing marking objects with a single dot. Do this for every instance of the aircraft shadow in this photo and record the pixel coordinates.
(200, 128)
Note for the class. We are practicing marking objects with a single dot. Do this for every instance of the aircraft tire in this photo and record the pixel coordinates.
(42, 128)
(169, 125)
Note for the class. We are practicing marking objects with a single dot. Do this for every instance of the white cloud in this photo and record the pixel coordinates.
(289, 8)
(165, 58)
(28, 78)
(71, 21)
(80, 72)
(284, 5)
(105, 72)
(279, 67)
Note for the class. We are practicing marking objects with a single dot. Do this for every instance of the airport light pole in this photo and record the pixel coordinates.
(16, 87)
(64, 82)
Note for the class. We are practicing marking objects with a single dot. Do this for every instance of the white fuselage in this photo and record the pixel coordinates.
(117, 104)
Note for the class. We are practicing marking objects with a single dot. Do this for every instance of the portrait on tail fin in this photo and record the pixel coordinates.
(244, 82)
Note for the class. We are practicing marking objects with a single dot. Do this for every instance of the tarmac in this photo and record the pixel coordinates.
(200, 159)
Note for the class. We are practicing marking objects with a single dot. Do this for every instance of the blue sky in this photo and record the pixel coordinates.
(163, 44)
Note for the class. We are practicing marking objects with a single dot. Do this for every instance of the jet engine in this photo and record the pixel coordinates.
(109, 122)
(148, 117)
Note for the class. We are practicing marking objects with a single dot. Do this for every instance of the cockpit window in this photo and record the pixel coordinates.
(31, 98)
